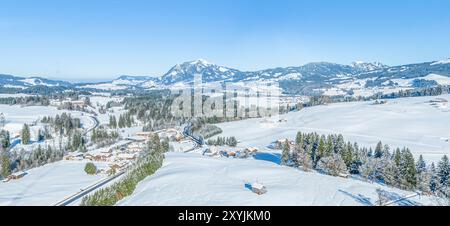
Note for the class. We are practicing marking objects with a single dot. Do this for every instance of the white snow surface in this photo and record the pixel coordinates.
(16, 115)
(47, 185)
(191, 179)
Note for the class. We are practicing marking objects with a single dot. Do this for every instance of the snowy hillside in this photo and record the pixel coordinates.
(190, 179)
(16, 116)
(47, 185)
(416, 123)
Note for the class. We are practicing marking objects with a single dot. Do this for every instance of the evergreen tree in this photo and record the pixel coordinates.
(379, 150)
(25, 134)
(434, 181)
(114, 122)
(4, 139)
(370, 153)
(154, 143)
(94, 135)
(347, 154)
(321, 148)
(77, 141)
(90, 168)
(299, 139)
(5, 164)
(232, 142)
(409, 169)
(121, 123)
(285, 154)
(421, 165)
(41, 135)
(329, 146)
(443, 171)
(340, 143)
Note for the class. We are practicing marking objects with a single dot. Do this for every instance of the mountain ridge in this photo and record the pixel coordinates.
(311, 76)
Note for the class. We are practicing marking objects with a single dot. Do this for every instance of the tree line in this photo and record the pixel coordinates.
(62, 124)
(101, 137)
(334, 156)
(222, 141)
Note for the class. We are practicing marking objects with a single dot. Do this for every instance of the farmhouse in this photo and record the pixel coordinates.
(134, 147)
(17, 175)
(144, 135)
(126, 156)
(77, 103)
(101, 157)
(256, 188)
(74, 156)
(259, 188)
(251, 150)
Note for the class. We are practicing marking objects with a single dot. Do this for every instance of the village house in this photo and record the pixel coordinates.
(134, 147)
(74, 103)
(144, 135)
(15, 176)
(251, 150)
(126, 156)
(75, 156)
(117, 166)
(259, 188)
(100, 157)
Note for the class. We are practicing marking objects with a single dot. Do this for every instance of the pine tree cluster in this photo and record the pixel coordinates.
(332, 155)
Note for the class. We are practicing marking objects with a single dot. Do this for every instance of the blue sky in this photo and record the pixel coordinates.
(95, 40)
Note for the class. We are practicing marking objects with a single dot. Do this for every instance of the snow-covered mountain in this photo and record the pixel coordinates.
(210, 72)
(321, 77)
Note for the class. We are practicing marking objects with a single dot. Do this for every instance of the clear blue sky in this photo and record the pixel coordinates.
(94, 40)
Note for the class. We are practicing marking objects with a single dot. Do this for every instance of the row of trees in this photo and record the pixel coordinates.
(208, 130)
(332, 155)
(126, 120)
(62, 124)
(36, 157)
(101, 137)
(76, 141)
(143, 168)
(221, 141)
(24, 160)
(154, 110)
(26, 100)
(112, 122)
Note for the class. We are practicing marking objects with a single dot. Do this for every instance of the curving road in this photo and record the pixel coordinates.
(96, 122)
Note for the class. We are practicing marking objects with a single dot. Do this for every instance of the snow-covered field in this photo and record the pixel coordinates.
(408, 122)
(47, 185)
(191, 179)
